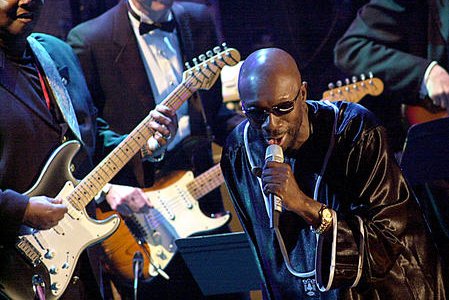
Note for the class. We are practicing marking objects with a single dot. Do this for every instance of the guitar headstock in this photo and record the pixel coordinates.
(207, 67)
(354, 90)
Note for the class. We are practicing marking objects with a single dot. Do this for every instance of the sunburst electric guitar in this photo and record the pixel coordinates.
(175, 214)
(47, 258)
(354, 91)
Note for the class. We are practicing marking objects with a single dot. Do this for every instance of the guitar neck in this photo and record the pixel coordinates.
(206, 182)
(122, 154)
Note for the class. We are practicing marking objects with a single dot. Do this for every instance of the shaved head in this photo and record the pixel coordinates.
(267, 67)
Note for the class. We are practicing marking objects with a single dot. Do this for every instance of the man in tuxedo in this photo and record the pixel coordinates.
(133, 57)
(404, 43)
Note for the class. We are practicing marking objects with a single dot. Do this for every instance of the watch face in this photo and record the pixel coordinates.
(327, 215)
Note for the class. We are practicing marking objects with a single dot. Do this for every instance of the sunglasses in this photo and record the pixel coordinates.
(258, 115)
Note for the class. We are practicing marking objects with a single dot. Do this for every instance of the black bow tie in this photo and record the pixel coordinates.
(145, 27)
(165, 26)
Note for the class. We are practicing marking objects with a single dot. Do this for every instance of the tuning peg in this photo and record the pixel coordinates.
(339, 83)
(187, 64)
(347, 81)
(354, 79)
(225, 47)
(217, 50)
(331, 85)
(362, 77)
(202, 57)
(209, 53)
(370, 75)
(195, 61)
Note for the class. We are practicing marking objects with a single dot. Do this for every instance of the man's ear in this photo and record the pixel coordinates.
(304, 90)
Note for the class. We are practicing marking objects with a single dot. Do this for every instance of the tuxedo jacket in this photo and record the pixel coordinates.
(29, 132)
(109, 55)
(396, 40)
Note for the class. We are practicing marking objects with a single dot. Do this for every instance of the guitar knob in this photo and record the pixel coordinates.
(160, 253)
(49, 254)
(53, 270)
(55, 286)
(65, 265)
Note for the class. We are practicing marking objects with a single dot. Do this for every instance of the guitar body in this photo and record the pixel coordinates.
(49, 257)
(176, 214)
(420, 114)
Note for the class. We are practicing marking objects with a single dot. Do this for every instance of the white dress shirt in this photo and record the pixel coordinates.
(161, 56)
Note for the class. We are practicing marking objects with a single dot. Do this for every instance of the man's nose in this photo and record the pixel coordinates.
(270, 123)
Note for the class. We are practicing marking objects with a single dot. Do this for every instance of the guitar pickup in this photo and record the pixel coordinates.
(28, 251)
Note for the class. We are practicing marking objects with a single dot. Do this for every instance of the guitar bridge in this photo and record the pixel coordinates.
(28, 251)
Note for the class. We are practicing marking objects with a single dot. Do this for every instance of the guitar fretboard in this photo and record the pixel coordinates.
(120, 156)
(206, 182)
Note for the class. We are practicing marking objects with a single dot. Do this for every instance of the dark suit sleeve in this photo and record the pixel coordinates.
(382, 39)
(12, 210)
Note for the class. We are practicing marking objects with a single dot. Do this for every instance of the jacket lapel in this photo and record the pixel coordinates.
(128, 61)
(8, 80)
(183, 28)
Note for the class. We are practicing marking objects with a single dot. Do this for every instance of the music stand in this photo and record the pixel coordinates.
(425, 164)
(221, 263)
(426, 152)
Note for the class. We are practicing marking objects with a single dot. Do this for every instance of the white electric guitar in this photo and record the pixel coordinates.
(46, 259)
(175, 214)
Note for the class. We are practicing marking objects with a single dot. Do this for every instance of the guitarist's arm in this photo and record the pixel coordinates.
(437, 84)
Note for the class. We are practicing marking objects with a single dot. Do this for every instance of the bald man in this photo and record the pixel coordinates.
(344, 224)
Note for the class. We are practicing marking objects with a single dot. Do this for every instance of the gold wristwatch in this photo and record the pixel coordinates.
(325, 214)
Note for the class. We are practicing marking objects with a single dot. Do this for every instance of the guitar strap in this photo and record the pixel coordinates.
(57, 89)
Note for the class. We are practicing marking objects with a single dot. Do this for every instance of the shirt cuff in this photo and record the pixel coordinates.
(424, 91)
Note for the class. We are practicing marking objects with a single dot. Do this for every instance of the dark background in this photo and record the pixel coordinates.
(308, 29)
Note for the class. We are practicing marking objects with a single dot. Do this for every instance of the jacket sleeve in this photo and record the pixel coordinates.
(378, 40)
(368, 232)
(12, 210)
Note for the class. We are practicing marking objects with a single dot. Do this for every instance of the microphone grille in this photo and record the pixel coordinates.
(274, 153)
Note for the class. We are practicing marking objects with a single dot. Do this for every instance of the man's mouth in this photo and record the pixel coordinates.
(25, 15)
(275, 140)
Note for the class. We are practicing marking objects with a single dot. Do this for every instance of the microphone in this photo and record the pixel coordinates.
(137, 270)
(274, 153)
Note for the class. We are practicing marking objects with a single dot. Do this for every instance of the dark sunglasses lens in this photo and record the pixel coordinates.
(256, 115)
(283, 108)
